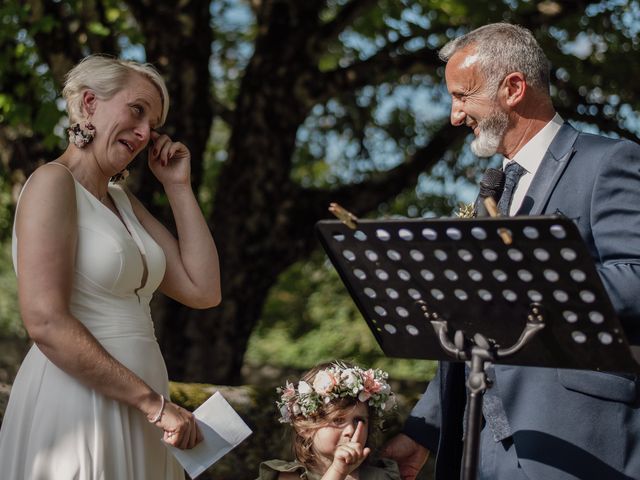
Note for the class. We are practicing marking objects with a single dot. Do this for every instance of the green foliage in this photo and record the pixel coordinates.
(310, 318)
(10, 321)
(6, 207)
(214, 157)
(28, 100)
(344, 139)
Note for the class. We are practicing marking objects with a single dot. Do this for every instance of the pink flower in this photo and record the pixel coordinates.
(288, 392)
(371, 385)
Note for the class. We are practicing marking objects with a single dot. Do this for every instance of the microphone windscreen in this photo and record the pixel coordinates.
(492, 183)
(491, 186)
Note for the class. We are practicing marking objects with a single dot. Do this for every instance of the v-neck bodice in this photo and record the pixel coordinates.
(118, 265)
(127, 227)
(135, 244)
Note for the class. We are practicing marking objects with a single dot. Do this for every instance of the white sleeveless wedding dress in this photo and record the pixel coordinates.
(54, 427)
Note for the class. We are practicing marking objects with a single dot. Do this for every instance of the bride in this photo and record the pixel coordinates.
(91, 398)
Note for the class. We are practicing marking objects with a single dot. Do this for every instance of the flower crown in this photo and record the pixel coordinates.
(335, 382)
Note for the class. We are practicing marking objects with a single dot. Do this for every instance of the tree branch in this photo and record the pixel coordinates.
(552, 12)
(289, 18)
(606, 125)
(103, 44)
(363, 197)
(372, 71)
(344, 18)
(59, 47)
(136, 6)
(304, 207)
(567, 109)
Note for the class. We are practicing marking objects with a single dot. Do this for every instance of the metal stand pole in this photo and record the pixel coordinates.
(479, 351)
(477, 385)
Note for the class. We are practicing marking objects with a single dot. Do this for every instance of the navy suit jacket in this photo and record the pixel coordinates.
(566, 424)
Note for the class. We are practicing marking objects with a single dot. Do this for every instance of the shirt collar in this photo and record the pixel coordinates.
(531, 154)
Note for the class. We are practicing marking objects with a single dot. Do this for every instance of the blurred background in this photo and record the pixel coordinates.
(288, 105)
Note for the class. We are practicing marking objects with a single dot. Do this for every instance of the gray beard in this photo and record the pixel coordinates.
(492, 131)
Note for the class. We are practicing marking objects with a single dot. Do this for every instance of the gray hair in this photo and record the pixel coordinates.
(503, 48)
(106, 76)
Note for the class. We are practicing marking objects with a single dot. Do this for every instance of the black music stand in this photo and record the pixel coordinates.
(511, 290)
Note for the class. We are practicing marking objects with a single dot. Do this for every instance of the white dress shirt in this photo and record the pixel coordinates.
(530, 157)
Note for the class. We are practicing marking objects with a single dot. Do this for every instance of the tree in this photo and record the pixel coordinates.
(283, 88)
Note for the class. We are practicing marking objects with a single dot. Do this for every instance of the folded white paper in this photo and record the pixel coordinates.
(222, 429)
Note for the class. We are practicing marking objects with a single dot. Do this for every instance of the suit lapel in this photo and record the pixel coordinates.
(551, 168)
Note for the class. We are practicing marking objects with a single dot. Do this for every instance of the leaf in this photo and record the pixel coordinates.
(99, 29)
(46, 118)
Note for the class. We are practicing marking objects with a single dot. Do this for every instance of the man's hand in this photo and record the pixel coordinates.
(410, 455)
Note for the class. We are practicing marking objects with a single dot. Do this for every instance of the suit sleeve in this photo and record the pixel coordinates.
(615, 224)
(423, 423)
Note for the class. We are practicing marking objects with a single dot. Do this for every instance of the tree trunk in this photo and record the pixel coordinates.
(262, 221)
(178, 42)
(253, 231)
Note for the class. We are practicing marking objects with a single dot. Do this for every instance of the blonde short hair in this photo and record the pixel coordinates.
(106, 76)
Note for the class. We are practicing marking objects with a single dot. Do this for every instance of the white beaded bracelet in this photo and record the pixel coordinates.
(159, 414)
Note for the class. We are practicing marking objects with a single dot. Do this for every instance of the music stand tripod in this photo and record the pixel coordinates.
(512, 290)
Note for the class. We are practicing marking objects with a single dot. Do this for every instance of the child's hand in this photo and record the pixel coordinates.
(349, 456)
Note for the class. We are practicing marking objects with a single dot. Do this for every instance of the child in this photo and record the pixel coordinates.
(333, 410)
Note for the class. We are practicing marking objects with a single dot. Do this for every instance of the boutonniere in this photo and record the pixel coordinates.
(465, 210)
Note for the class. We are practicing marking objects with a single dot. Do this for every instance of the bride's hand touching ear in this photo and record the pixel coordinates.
(169, 161)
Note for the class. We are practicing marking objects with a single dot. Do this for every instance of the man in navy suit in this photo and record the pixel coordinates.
(542, 423)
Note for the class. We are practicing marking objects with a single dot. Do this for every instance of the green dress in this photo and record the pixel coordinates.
(381, 469)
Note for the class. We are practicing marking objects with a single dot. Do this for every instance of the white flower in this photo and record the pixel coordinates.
(389, 404)
(296, 409)
(284, 412)
(323, 383)
(364, 396)
(304, 388)
(350, 379)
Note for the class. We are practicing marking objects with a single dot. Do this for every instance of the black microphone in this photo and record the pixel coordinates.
(491, 186)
